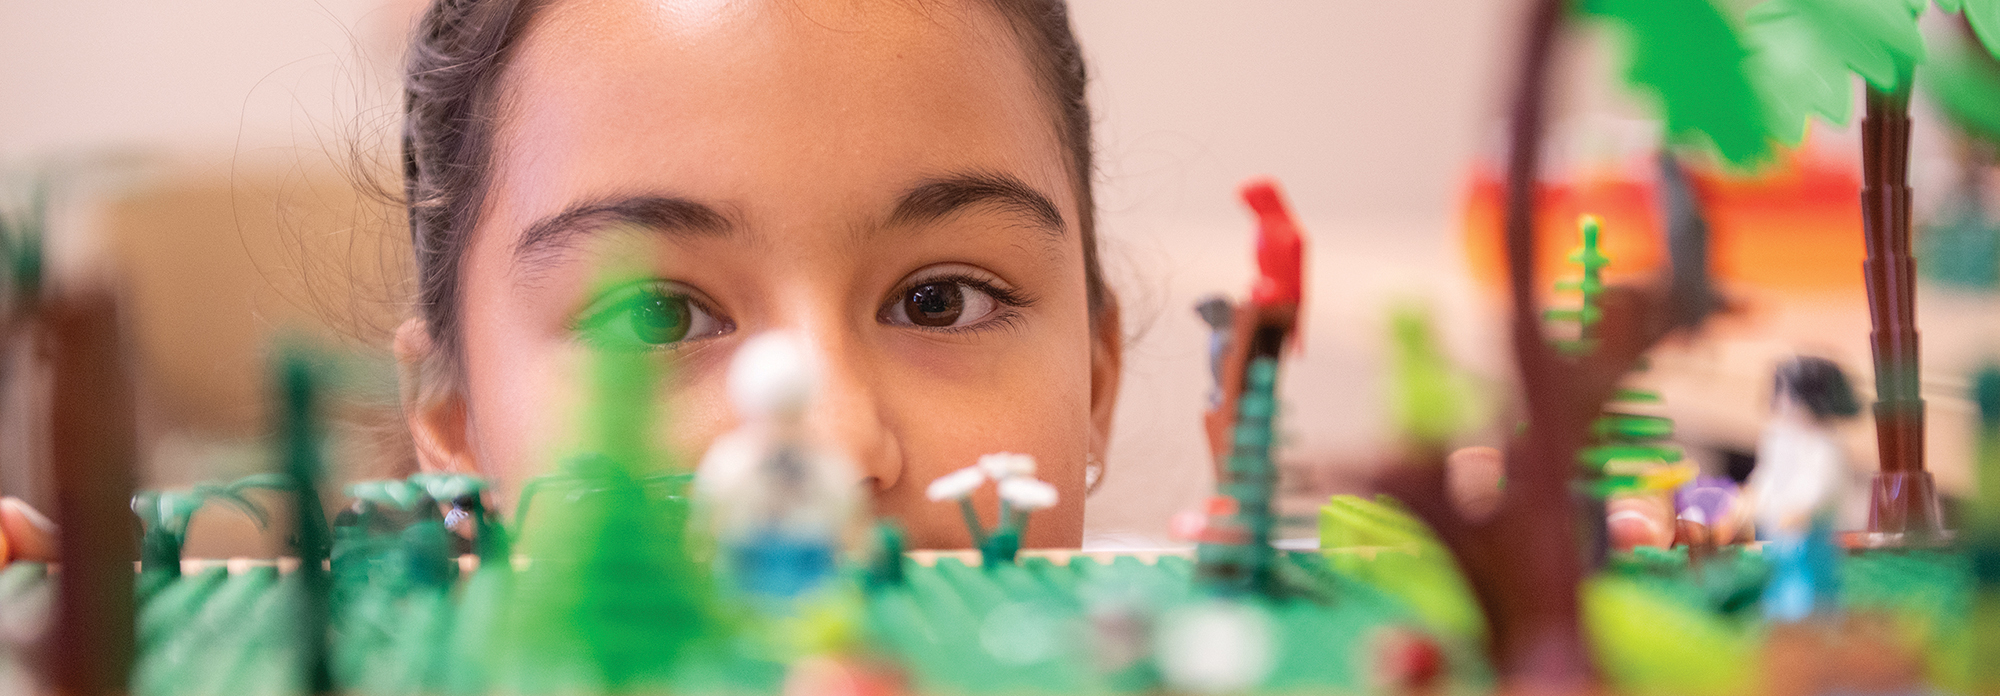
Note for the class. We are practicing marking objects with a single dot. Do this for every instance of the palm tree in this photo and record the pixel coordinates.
(1807, 51)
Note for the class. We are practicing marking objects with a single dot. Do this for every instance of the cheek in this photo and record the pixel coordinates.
(529, 392)
(519, 392)
(1033, 400)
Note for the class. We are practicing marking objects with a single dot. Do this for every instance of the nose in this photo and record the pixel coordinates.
(849, 411)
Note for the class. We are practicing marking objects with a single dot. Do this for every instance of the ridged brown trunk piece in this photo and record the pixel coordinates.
(1903, 498)
(93, 453)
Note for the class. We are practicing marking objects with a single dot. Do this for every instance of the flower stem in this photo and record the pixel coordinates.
(972, 521)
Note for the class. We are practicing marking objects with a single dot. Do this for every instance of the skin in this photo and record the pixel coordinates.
(799, 132)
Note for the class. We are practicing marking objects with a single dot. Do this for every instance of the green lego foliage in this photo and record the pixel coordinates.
(1802, 52)
(1381, 544)
(21, 239)
(1431, 404)
(1647, 643)
(165, 515)
(1983, 15)
(615, 599)
(1965, 84)
(1588, 286)
(1689, 55)
(1249, 479)
(1627, 440)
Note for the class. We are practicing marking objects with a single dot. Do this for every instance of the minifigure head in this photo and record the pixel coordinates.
(773, 378)
(902, 186)
(1815, 386)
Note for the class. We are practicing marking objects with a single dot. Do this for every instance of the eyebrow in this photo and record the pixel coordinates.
(556, 233)
(939, 198)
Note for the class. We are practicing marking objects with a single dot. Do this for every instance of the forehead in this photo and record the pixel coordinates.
(725, 99)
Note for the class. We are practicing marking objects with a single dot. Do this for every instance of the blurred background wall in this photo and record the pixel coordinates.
(218, 154)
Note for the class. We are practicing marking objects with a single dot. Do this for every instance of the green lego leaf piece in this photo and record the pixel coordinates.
(1965, 84)
(1383, 545)
(395, 493)
(1984, 16)
(443, 487)
(1430, 394)
(1802, 52)
(1637, 396)
(1651, 645)
(1690, 56)
(1600, 455)
(1624, 425)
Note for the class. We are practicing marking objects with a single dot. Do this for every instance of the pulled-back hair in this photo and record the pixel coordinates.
(461, 48)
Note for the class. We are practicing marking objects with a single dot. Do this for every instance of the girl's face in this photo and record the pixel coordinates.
(884, 179)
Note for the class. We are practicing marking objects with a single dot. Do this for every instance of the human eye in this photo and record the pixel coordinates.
(953, 298)
(649, 315)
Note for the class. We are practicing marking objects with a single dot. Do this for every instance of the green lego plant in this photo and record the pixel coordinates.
(1627, 445)
(1807, 51)
(1246, 563)
(615, 597)
(1430, 399)
(1983, 538)
(165, 515)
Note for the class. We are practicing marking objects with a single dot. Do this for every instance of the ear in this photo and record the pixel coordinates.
(433, 406)
(1107, 360)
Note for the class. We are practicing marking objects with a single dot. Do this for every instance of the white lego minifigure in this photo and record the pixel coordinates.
(781, 507)
(1799, 484)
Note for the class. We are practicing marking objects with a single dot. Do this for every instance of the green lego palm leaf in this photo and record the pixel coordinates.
(1984, 16)
(1802, 52)
(1689, 55)
(1965, 84)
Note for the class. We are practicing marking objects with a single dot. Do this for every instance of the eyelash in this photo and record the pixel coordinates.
(600, 309)
(1003, 319)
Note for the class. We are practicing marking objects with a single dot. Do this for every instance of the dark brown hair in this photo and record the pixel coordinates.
(456, 59)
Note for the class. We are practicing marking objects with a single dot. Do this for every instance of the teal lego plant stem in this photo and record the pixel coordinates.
(972, 523)
(298, 435)
(1983, 537)
(885, 567)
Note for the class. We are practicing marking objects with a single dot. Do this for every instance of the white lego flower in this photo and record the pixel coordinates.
(1026, 494)
(1006, 465)
(957, 485)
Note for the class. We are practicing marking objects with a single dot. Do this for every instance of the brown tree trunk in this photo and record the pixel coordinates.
(1903, 498)
(94, 450)
(1528, 574)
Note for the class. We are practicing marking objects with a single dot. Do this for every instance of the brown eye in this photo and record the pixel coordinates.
(944, 303)
(934, 304)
